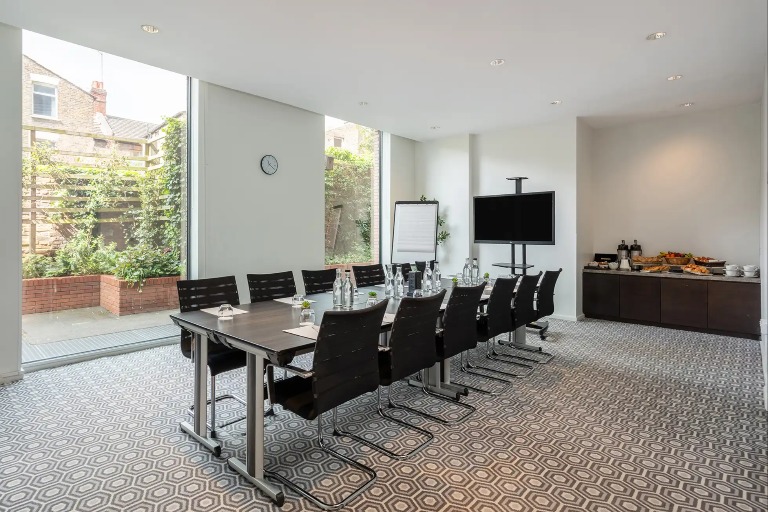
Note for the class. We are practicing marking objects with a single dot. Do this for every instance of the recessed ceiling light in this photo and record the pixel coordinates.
(674, 77)
(150, 29)
(497, 62)
(434, 127)
(655, 36)
(687, 104)
(362, 103)
(556, 102)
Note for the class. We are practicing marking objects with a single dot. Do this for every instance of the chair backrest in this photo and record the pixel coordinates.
(412, 340)
(263, 287)
(368, 275)
(421, 266)
(523, 312)
(318, 281)
(195, 294)
(545, 297)
(406, 269)
(460, 319)
(498, 319)
(346, 358)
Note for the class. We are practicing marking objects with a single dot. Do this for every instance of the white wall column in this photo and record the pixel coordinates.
(10, 203)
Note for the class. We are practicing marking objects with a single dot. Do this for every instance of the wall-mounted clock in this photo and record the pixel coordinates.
(269, 164)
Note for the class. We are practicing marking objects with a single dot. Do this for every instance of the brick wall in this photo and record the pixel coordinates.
(157, 294)
(59, 293)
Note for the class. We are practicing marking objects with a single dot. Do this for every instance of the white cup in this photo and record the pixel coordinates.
(731, 267)
(750, 268)
(750, 274)
(732, 273)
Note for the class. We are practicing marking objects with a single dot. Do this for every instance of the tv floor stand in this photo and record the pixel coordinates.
(513, 266)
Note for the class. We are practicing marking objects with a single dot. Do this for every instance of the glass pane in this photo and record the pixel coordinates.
(351, 194)
(43, 105)
(103, 232)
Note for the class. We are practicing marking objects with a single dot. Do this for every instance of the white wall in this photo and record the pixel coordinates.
(546, 154)
(10, 203)
(398, 183)
(584, 239)
(764, 242)
(443, 172)
(684, 183)
(247, 221)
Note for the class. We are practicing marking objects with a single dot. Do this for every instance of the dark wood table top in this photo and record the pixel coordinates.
(263, 326)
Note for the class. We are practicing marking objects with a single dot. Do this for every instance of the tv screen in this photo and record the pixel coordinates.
(515, 218)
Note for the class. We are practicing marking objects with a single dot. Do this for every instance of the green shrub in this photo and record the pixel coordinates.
(83, 254)
(139, 263)
(35, 265)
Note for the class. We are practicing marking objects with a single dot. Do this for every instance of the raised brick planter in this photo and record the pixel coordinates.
(157, 294)
(74, 292)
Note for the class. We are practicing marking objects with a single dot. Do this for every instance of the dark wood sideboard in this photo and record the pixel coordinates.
(705, 304)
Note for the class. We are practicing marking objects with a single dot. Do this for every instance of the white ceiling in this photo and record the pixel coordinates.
(424, 63)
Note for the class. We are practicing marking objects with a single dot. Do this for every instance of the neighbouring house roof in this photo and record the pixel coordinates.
(130, 128)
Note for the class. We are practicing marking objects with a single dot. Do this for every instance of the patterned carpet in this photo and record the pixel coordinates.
(625, 418)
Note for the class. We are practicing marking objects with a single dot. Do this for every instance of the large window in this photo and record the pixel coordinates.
(352, 182)
(104, 181)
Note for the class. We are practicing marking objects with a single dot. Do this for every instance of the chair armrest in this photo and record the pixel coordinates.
(301, 372)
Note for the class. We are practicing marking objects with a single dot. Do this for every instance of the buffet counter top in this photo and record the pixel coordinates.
(675, 275)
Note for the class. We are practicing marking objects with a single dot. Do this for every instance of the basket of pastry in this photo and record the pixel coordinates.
(656, 268)
(706, 261)
(676, 258)
(698, 270)
(647, 260)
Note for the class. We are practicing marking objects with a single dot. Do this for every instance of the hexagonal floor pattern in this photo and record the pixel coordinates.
(625, 418)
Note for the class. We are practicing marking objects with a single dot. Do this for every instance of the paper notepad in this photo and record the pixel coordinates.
(289, 300)
(215, 311)
(305, 331)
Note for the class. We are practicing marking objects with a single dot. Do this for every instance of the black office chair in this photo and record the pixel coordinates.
(368, 275)
(496, 320)
(545, 303)
(196, 294)
(264, 287)
(318, 281)
(421, 266)
(411, 348)
(345, 366)
(522, 315)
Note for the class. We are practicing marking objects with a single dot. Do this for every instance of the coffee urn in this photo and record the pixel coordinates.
(623, 251)
(635, 250)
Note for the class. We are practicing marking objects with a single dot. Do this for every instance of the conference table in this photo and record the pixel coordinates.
(259, 332)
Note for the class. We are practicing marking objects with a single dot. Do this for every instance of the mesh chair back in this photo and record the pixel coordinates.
(346, 358)
(460, 320)
(406, 269)
(318, 281)
(263, 287)
(545, 297)
(523, 312)
(368, 275)
(195, 294)
(499, 305)
(412, 341)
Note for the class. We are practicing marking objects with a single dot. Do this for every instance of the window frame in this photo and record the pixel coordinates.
(55, 96)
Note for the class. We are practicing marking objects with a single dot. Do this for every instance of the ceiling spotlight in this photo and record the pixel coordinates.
(556, 102)
(497, 62)
(655, 36)
(687, 104)
(362, 103)
(150, 29)
(434, 127)
(674, 77)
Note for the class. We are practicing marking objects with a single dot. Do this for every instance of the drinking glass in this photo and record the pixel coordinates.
(372, 301)
(297, 300)
(307, 317)
(226, 312)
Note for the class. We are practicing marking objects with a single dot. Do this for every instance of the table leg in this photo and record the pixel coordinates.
(439, 381)
(199, 428)
(253, 468)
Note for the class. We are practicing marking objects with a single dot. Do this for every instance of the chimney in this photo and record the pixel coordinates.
(100, 97)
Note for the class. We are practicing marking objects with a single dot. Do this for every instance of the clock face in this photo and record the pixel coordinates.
(269, 164)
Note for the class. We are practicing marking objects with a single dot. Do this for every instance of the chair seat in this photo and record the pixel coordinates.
(225, 360)
(295, 394)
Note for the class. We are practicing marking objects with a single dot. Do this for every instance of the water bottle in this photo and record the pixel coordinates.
(436, 283)
(475, 274)
(399, 283)
(388, 280)
(346, 291)
(337, 292)
(426, 282)
(466, 274)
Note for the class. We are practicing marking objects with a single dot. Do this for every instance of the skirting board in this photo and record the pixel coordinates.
(567, 318)
(7, 378)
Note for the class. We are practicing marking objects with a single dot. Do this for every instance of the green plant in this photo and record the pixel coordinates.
(455, 280)
(486, 275)
(443, 234)
(35, 265)
(83, 254)
(372, 294)
(306, 304)
(141, 262)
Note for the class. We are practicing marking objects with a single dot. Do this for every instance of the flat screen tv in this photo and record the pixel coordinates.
(515, 219)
